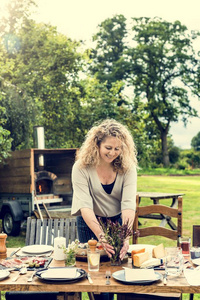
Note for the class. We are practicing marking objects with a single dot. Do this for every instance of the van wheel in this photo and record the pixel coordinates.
(10, 227)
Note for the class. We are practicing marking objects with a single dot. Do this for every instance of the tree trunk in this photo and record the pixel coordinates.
(165, 153)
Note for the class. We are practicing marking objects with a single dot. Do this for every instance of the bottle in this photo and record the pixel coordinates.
(3, 250)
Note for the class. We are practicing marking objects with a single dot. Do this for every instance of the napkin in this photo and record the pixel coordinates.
(192, 276)
(139, 274)
(60, 273)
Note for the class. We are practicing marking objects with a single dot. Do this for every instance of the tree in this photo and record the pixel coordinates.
(108, 63)
(195, 143)
(39, 68)
(162, 57)
(159, 65)
(5, 140)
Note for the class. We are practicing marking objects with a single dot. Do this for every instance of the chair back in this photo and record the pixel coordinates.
(43, 232)
(196, 236)
(157, 230)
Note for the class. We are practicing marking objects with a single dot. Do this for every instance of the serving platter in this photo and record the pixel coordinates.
(17, 263)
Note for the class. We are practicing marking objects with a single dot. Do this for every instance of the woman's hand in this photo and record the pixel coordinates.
(124, 249)
(106, 246)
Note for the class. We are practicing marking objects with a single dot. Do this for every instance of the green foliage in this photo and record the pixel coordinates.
(5, 140)
(195, 143)
(174, 154)
(192, 158)
(108, 63)
(162, 57)
(37, 82)
(168, 171)
(41, 82)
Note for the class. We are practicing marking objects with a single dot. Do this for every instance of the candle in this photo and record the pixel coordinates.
(58, 250)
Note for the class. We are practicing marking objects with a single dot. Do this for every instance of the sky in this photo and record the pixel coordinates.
(78, 19)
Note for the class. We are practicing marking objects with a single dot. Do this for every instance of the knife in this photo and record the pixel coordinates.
(89, 278)
(165, 279)
(15, 251)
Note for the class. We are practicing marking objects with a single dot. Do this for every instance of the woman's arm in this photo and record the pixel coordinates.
(128, 215)
(92, 222)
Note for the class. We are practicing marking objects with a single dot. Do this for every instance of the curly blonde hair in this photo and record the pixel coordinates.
(88, 154)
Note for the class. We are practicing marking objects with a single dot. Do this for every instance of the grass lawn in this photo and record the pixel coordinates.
(188, 185)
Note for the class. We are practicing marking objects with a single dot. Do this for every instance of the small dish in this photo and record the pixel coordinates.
(4, 274)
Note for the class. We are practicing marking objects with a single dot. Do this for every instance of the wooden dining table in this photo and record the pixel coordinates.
(174, 284)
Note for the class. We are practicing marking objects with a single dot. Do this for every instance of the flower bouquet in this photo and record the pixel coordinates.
(115, 235)
(70, 253)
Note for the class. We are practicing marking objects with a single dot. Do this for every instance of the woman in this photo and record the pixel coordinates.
(104, 181)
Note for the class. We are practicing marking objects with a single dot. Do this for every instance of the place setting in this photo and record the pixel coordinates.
(142, 271)
(32, 257)
(62, 274)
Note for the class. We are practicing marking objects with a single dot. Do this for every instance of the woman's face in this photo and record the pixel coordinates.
(110, 148)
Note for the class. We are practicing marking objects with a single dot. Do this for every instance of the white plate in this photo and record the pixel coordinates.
(148, 248)
(21, 253)
(4, 274)
(196, 261)
(120, 276)
(37, 249)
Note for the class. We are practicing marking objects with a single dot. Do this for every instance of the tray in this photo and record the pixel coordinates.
(47, 262)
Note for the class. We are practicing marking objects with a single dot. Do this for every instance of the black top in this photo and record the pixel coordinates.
(108, 187)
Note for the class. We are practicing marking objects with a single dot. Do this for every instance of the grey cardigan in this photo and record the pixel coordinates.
(89, 193)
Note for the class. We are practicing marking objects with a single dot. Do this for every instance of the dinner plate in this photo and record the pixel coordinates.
(4, 274)
(196, 261)
(120, 276)
(37, 249)
(148, 248)
(80, 273)
(46, 254)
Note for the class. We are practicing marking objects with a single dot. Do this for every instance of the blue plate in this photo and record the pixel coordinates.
(120, 276)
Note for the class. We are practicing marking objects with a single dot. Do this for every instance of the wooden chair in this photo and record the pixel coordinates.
(158, 231)
(44, 232)
(195, 243)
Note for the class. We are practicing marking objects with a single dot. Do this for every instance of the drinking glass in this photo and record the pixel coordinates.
(173, 261)
(185, 245)
(93, 257)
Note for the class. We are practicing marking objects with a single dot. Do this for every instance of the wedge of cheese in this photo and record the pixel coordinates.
(139, 258)
(158, 251)
(152, 262)
(133, 252)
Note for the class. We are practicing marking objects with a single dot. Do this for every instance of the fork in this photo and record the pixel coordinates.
(31, 277)
(108, 275)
